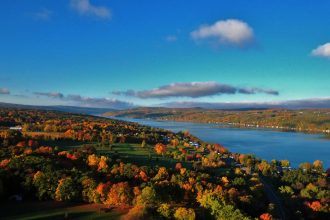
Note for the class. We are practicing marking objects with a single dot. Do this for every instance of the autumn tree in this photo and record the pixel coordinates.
(305, 166)
(164, 210)
(66, 190)
(285, 163)
(178, 166)
(264, 167)
(318, 165)
(45, 185)
(162, 174)
(175, 142)
(315, 206)
(88, 189)
(287, 191)
(215, 201)
(119, 194)
(160, 148)
(93, 160)
(103, 165)
(182, 213)
(101, 192)
(266, 216)
(148, 196)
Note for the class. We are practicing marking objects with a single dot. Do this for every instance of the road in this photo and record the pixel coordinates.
(274, 198)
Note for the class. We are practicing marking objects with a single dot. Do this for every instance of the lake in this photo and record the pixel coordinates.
(267, 144)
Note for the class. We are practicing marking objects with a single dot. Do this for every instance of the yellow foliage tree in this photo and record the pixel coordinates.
(184, 214)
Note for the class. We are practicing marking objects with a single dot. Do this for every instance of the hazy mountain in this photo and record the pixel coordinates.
(72, 109)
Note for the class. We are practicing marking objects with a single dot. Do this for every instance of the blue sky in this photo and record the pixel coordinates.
(89, 53)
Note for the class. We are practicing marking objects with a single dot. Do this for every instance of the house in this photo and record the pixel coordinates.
(17, 128)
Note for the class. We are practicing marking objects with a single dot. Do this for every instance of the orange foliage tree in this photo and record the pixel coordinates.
(266, 216)
(315, 206)
(160, 148)
(119, 194)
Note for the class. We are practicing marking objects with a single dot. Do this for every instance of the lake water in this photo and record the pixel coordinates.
(266, 144)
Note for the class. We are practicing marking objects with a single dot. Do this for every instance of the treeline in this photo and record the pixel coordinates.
(53, 125)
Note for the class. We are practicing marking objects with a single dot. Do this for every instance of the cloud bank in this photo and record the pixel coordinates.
(230, 31)
(87, 101)
(4, 91)
(99, 102)
(193, 90)
(84, 7)
(257, 90)
(289, 104)
(322, 51)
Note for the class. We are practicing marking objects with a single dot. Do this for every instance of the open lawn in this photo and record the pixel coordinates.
(143, 156)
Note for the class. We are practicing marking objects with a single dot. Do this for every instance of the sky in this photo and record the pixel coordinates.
(176, 53)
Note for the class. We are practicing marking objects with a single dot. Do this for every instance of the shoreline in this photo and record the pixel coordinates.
(324, 134)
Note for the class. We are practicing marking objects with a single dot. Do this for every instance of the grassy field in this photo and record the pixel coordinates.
(129, 153)
(134, 153)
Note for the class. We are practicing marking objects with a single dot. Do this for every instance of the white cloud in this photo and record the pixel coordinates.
(289, 104)
(99, 102)
(230, 31)
(84, 7)
(82, 100)
(4, 91)
(193, 90)
(322, 51)
(50, 94)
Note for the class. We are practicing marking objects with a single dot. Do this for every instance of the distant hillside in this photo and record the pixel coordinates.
(71, 109)
(306, 120)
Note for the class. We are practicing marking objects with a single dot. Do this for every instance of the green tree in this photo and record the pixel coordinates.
(66, 190)
(88, 189)
(148, 196)
(219, 209)
(286, 190)
(45, 185)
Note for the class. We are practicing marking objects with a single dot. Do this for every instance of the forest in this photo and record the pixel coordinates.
(123, 170)
(305, 120)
